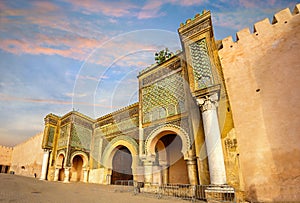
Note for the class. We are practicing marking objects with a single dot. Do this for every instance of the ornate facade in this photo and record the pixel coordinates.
(180, 131)
(179, 103)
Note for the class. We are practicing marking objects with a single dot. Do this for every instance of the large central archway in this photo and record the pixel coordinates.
(121, 165)
(169, 145)
(170, 161)
(120, 148)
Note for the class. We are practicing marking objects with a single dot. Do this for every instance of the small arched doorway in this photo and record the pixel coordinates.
(121, 165)
(76, 170)
(60, 165)
(170, 160)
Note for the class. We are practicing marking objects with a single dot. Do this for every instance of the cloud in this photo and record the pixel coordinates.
(108, 8)
(53, 101)
(152, 8)
(188, 2)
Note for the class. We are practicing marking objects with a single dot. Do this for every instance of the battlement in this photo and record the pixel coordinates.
(2, 148)
(262, 28)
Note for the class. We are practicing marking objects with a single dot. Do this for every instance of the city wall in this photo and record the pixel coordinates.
(261, 71)
(5, 158)
(5, 155)
(27, 157)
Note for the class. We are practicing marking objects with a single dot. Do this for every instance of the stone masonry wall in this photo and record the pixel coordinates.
(5, 155)
(262, 76)
(27, 157)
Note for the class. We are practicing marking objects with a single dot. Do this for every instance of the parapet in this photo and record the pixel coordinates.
(263, 27)
(5, 148)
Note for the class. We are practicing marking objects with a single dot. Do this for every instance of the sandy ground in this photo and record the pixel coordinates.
(15, 188)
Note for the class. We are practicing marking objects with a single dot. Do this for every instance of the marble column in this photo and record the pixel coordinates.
(67, 175)
(85, 175)
(148, 172)
(192, 171)
(208, 104)
(56, 174)
(45, 164)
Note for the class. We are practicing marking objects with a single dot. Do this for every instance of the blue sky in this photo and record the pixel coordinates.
(64, 54)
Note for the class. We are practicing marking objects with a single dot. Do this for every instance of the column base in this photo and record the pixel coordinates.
(215, 194)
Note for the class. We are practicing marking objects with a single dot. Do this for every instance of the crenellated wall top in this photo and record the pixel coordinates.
(5, 148)
(261, 28)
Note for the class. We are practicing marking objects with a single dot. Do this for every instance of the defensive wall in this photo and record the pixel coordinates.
(5, 158)
(261, 71)
(27, 157)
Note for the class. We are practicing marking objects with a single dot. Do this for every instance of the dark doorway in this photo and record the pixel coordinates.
(76, 170)
(121, 164)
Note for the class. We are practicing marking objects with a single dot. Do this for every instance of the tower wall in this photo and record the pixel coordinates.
(261, 71)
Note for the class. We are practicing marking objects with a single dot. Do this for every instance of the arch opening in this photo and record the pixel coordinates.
(169, 159)
(60, 165)
(76, 169)
(121, 165)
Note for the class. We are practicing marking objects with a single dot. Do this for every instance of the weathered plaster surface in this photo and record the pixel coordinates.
(27, 157)
(5, 155)
(262, 72)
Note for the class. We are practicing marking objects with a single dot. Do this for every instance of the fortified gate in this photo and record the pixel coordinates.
(180, 131)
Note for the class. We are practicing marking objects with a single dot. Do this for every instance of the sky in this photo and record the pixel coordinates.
(85, 55)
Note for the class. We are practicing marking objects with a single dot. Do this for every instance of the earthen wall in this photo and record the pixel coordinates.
(5, 155)
(262, 76)
(27, 157)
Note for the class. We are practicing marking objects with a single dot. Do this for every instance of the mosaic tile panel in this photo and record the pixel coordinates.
(63, 136)
(81, 137)
(163, 98)
(201, 64)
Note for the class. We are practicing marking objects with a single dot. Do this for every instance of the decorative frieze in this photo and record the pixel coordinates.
(83, 123)
(161, 72)
(65, 121)
(197, 29)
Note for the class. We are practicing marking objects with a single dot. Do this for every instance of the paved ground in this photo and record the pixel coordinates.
(15, 188)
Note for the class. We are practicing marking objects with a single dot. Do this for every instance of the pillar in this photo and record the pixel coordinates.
(108, 179)
(165, 174)
(45, 164)
(56, 174)
(85, 175)
(208, 104)
(108, 173)
(156, 175)
(67, 175)
(192, 171)
(148, 172)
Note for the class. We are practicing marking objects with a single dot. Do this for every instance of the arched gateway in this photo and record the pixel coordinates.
(166, 150)
(117, 156)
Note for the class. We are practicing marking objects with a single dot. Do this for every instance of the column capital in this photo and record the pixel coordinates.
(208, 102)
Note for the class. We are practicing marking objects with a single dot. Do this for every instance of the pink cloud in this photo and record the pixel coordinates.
(5, 97)
(187, 2)
(150, 10)
(108, 8)
(44, 6)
